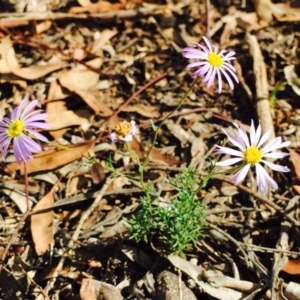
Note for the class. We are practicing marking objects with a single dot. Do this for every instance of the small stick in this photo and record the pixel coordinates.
(76, 233)
(35, 284)
(15, 19)
(262, 86)
(207, 7)
(265, 201)
(24, 217)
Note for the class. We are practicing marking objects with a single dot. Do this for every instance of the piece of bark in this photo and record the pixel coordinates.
(31, 5)
(168, 287)
(264, 10)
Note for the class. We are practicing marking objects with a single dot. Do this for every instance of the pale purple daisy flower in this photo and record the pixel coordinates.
(124, 132)
(212, 63)
(21, 128)
(251, 153)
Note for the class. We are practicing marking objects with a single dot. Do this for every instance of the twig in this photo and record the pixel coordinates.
(115, 114)
(262, 86)
(36, 285)
(24, 217)
(10, 19)
(265, 201)
(207, 8)
(229, 237)
(76, 233)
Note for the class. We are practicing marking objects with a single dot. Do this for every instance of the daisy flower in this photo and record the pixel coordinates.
(251, 153)
(124, 132)
(212, 63)
(21, 128)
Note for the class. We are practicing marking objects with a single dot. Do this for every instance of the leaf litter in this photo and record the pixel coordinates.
(83, 73)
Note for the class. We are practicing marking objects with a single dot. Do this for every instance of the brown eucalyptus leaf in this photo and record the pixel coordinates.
(41, 225)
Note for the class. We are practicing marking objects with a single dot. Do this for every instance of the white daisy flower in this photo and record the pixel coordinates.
(212, 63)
(251, 153)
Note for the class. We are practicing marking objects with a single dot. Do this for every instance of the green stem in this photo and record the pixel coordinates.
(141, 170)
(165, 118)
(143, 165)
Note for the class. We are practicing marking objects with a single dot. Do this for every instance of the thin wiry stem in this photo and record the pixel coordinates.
(207, 6)
(24, 217)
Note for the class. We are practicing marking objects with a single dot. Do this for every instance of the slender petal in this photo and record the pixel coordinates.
(227, 150)
(228, 162)
(240, 175)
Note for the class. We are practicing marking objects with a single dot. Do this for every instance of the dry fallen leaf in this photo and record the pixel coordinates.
(42, 224)
(36, 72)
(64, 119)
(156, 155)
(292, 267)
(97, 173)
(263, 10)
(56, 93)
(43, 26)
(94, 103)
(295, 159)
(81, 78)
(102, 6)
(51, 159)
(292, 78)
(8, 60)
(144, 110)
(99, 42)
(51, 109)
(297, 188)
(17, 198)
(283, 12)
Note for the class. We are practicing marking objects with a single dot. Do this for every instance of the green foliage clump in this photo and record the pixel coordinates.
(180, 223)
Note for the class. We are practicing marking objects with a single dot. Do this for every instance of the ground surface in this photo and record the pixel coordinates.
(92, 65)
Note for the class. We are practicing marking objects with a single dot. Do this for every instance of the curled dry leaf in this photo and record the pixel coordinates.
(8, 60)
(17, 198)
(41, 225)
(263, 10)
(99, 42)
(292, 78)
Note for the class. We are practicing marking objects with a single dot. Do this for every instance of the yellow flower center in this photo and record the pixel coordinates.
(15, 128)
(215, 60)
(123, 129)
(252, 155)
